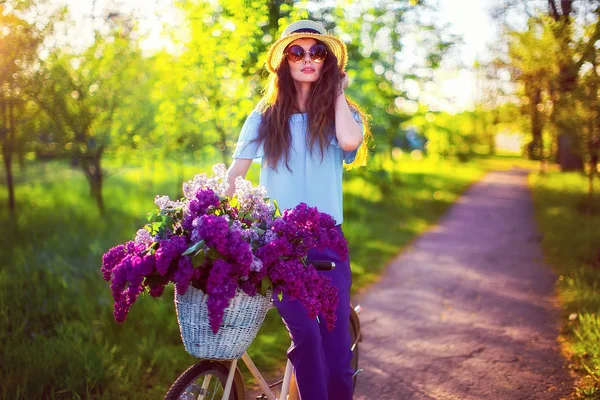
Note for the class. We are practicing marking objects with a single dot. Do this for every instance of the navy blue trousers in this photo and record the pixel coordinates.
(321, 358)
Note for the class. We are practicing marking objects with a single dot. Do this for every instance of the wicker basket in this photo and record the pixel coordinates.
(239, 327)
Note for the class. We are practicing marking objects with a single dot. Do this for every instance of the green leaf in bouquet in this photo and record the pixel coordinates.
(234, 202)
(280, 296)
(194, 249)
(246, 215)
(153, 228)
(169, 221)
(265, 285)
(152, 214)
(213, 253)
(277, 212)
(151, 249)
(199, 258)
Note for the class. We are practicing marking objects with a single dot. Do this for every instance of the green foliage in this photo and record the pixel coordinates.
(571, 242)
(553, 62)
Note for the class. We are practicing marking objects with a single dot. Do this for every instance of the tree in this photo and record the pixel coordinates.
(20, 41)
(572, 52)
(533, 63)
(83, 93)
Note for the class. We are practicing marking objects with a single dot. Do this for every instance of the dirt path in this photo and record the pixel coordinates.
(468, 311)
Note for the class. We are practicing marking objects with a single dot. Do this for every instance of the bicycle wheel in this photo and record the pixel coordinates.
(206, 380)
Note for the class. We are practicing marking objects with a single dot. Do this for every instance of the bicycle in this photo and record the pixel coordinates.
(222, 379)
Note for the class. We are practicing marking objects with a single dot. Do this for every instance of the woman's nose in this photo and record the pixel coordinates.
(307, 57)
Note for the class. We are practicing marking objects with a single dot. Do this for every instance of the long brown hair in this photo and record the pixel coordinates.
(278, 103)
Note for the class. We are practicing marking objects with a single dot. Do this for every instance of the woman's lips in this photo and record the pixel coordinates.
(308, 70)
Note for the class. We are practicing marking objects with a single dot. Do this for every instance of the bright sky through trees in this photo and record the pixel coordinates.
(455, 84)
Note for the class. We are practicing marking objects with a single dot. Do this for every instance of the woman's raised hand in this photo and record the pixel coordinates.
(343, 83)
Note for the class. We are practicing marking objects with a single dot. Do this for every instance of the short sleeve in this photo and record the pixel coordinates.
(245, 148)
(350, 156)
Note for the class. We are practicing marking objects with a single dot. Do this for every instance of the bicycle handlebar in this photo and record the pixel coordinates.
(322, 265)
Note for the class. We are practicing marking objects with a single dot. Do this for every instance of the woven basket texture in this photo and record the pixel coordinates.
(241, 322)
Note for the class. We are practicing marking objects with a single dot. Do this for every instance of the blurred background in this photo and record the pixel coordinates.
(105, 104)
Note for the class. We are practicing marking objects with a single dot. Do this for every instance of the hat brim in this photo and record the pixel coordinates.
(335, 45)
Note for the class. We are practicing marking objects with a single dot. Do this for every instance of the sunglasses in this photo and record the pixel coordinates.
(295, 53)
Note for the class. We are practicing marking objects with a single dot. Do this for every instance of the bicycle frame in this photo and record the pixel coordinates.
(260, 379)
(257, 376)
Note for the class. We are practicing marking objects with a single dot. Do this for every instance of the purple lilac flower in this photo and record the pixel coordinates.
(110, 259)
(157, 291)
(220, 288)
(183, 275)
(202, 201)
(169, 250)
(280, 244)
(214, 230)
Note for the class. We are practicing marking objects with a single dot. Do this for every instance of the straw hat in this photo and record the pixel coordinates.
(334, 44)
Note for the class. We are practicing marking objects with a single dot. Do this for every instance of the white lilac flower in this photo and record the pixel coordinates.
(217, 184)
(221, 184)
(143, 236)
(165, 202)
(191, 187)
(252, 198)
(220, 170)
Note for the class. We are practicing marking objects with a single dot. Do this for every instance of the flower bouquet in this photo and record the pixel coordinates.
(224, 255)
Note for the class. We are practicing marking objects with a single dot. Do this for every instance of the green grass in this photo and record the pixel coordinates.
(59, 339)
(571, 242)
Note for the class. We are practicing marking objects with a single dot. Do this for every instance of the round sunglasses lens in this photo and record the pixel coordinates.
(318, 52)
(295, 53)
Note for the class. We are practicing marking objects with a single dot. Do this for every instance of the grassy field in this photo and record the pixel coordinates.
(571, 242)
(59, 339)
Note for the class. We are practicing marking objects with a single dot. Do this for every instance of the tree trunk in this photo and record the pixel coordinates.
(568, 160)
(97, 193)
(94, 175)
(21, 159)
(179, 183)
(7, 150)
(9, 178)
(492, 136)
(536, 151)
(223, 148)
(567, 156)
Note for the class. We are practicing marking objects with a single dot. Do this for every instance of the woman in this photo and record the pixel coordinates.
(303, 130)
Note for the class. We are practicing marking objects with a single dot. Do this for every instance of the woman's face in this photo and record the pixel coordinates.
(306, 70)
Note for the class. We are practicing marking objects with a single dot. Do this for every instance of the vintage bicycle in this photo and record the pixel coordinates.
(222, 379)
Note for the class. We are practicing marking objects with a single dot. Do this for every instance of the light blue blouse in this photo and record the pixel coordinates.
(312, 181)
